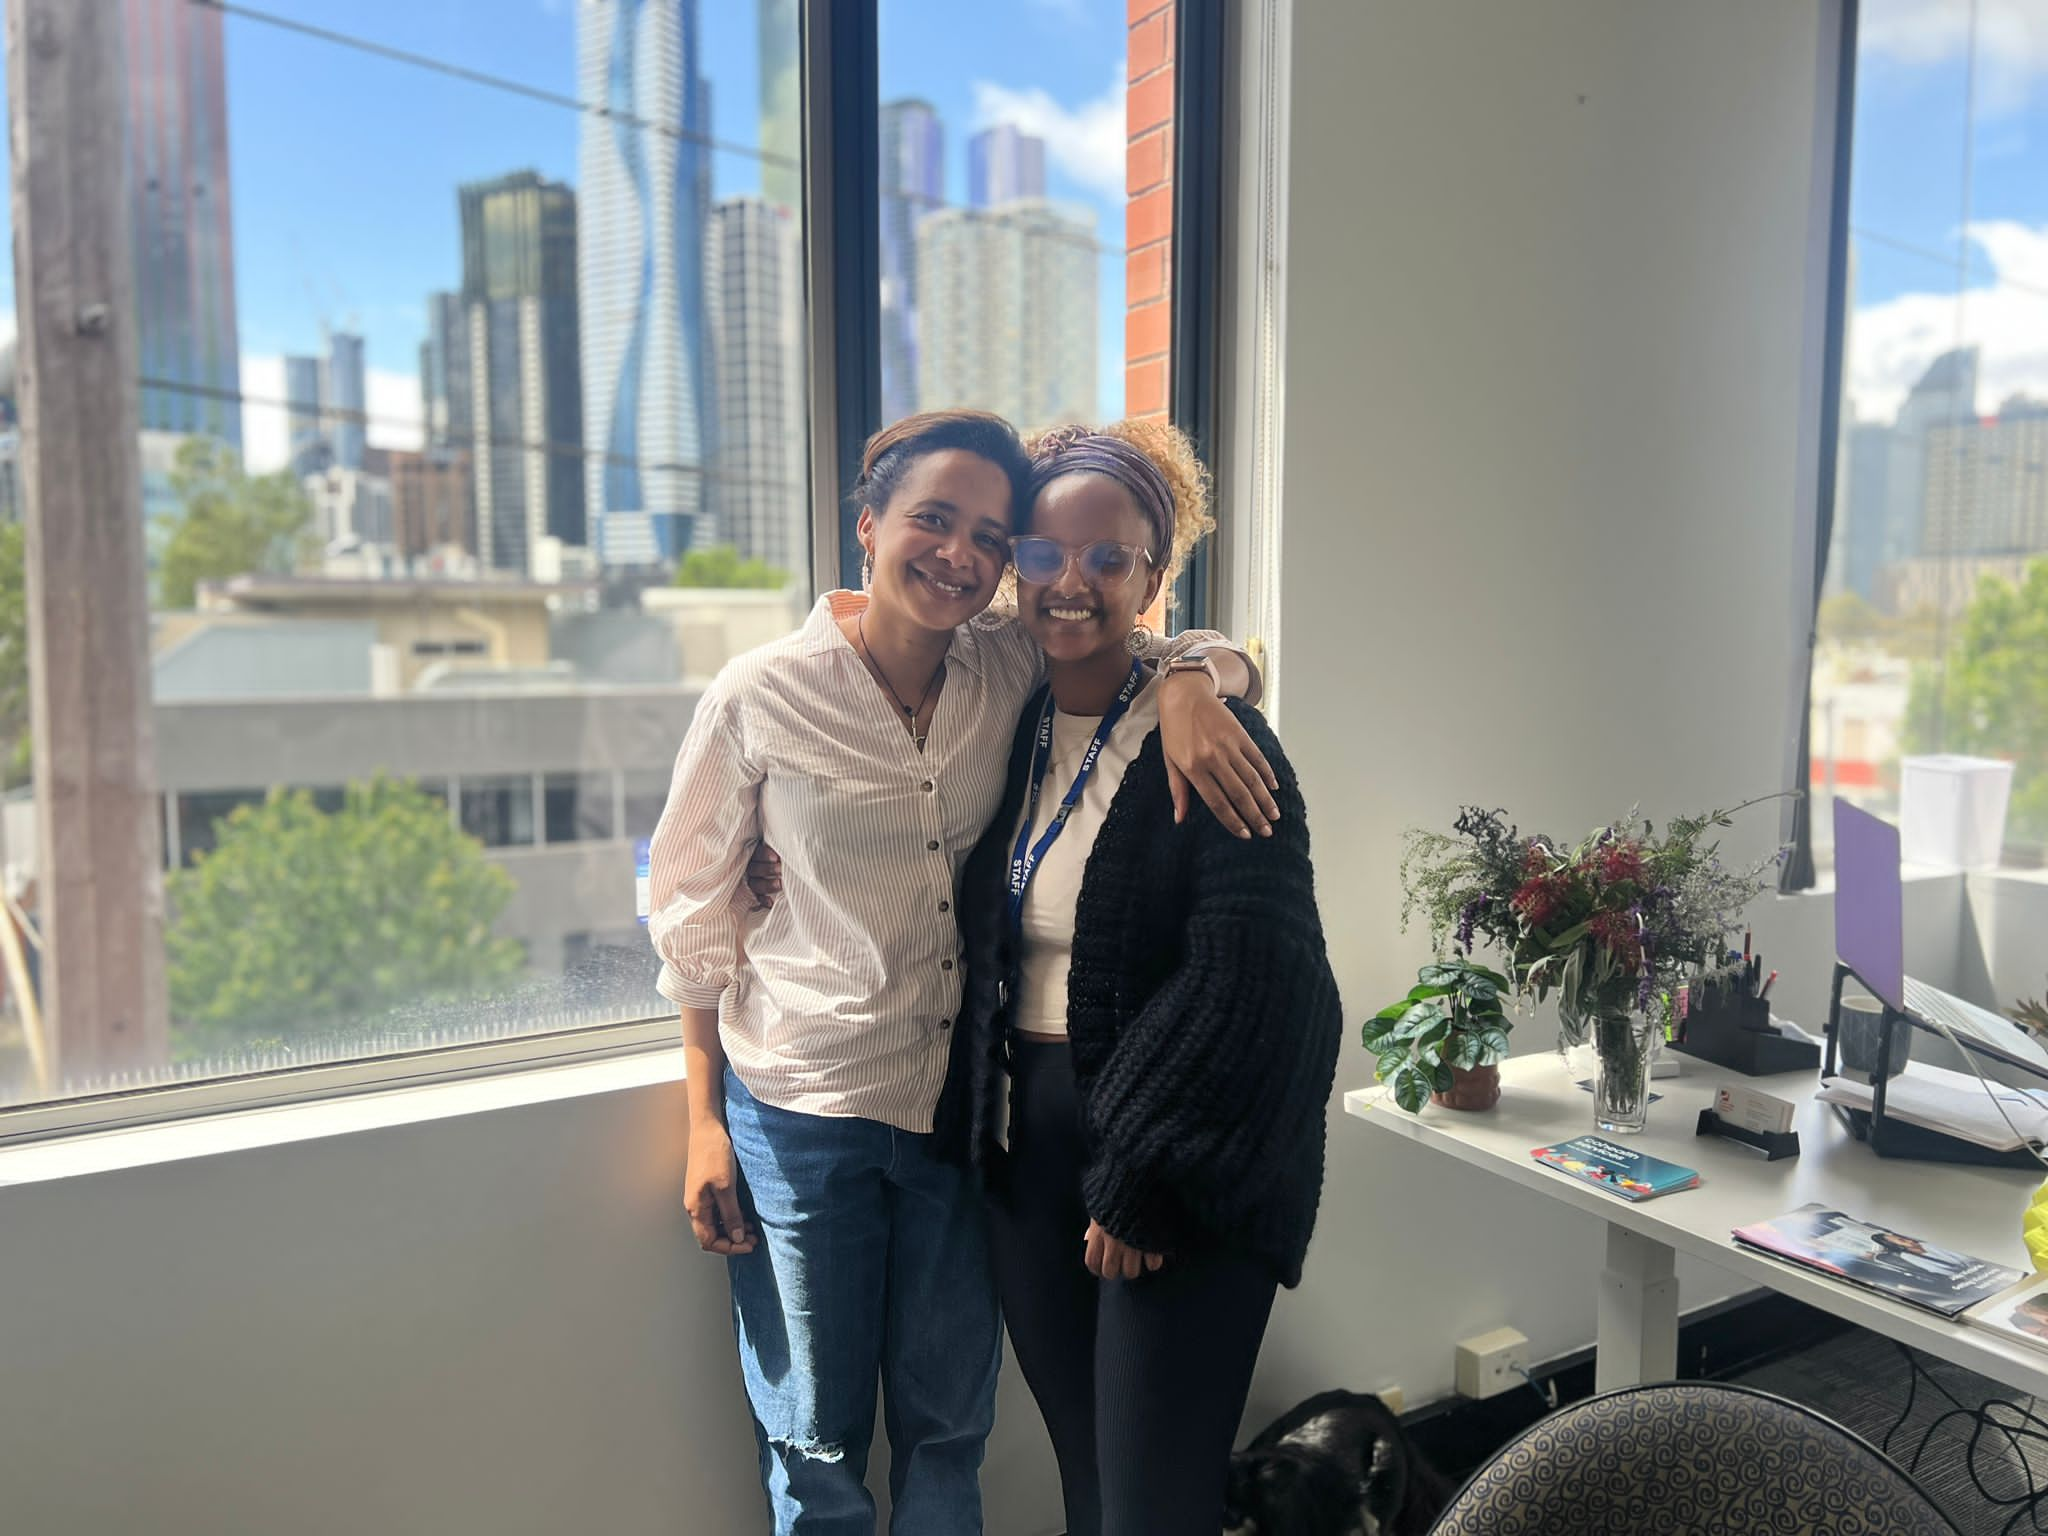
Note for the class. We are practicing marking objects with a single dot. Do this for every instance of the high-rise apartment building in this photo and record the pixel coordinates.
(645, 184)
(526, 391)
(753, 273)
(188, 353)
(913, 172)
(1004, 164)
(1007, 312)
(346, 399)
(782, 104)
(1987, 485)
(309, 445)
(1944, 396)
(444, 373)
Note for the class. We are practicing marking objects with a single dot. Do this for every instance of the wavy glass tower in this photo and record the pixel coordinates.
(644, 173)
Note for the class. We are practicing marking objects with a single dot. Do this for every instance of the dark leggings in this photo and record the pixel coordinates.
(1141, 1382)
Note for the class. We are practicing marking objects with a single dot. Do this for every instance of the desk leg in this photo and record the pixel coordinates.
(1638, 1313)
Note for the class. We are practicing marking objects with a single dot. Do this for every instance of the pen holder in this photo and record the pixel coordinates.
(1733, 1029)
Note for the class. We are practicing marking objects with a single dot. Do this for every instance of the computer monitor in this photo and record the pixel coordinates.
(1870, 903)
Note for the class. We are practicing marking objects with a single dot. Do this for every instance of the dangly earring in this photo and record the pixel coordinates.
(867, 570)
(1139, 641)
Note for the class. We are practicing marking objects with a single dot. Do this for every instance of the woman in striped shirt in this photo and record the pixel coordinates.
(869, 749)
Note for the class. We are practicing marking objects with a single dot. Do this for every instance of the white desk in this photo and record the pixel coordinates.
(1972, 1210)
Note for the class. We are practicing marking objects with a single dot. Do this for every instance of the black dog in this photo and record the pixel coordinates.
(1337, 1465)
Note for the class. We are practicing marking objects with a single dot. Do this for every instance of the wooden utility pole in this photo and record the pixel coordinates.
(99, 862)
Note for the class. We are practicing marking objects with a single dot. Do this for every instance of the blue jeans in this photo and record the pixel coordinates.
(873, 1263)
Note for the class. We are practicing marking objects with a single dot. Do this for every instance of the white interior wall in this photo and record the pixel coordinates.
(1543, 350)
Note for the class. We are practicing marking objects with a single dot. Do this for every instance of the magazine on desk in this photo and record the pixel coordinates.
(2019, 1314)
(1878, 1259)
(1621, 1170)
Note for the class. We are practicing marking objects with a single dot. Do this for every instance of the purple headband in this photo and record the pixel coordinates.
(1100, 454)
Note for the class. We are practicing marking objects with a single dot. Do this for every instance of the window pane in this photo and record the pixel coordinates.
(1934, 627)
(1027, 205)
(498, 812)
(579, 807)
(459, 430)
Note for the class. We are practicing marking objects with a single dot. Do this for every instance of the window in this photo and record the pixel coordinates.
(579, 807)
(1026, 208)
(1933, 623)
(435, 402)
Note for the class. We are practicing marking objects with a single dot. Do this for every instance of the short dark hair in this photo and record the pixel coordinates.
(890, 452)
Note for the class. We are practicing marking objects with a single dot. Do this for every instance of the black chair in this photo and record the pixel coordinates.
(1689, 1458)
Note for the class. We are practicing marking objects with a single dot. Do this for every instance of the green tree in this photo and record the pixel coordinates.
(721, 566)
(1993, 698)
(233, 523)
(13, 655)
(300, 920)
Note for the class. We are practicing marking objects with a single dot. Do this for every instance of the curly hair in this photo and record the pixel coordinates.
(1170, 452)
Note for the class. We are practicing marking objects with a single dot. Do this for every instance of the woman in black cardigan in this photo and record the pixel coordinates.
(1150, 1025)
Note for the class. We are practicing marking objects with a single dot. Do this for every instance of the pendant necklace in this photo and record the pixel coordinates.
(910, 711)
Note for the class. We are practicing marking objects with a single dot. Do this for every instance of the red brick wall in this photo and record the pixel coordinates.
(1148, 215)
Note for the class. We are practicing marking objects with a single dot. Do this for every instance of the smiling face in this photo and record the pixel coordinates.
(1070, 617)
(942, 542)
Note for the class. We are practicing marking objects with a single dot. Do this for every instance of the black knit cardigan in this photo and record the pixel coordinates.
(1203, 1018)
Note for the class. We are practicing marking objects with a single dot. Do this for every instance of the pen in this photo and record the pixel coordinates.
(1745, 942)
(1767, 985)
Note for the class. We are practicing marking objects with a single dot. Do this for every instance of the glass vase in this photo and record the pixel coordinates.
(1623, 1044)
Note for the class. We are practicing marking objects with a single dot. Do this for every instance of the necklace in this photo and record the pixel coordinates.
(910, 711)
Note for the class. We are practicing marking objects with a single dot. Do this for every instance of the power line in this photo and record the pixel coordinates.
(1962, 264)
(484, 78)
(470, 441)
(541, 94)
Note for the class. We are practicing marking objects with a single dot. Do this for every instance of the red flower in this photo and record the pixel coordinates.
(1535, 859)
(1616, 932)
(1537, 900)
(1621, 862)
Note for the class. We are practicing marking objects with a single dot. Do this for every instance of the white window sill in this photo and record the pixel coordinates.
(235, 1130)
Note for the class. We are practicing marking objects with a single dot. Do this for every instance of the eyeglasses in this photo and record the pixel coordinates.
(1103, 564)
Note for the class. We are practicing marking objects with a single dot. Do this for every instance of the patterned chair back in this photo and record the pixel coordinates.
(1690, 1458)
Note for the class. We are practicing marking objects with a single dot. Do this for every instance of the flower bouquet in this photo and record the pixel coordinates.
(1614, 924)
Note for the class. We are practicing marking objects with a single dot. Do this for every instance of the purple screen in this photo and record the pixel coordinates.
(1870, 905)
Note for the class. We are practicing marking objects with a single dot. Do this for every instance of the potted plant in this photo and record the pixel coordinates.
(1445, 1039)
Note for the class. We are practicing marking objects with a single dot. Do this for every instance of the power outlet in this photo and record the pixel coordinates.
(1487, 1362)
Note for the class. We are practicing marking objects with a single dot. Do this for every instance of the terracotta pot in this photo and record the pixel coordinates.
(1471, 1088)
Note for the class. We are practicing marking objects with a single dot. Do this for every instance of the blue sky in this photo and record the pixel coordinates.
(345, 165)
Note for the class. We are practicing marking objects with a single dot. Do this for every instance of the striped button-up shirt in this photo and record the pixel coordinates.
(839, 999)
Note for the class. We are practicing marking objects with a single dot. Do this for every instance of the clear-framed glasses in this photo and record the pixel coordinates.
(1104, 563)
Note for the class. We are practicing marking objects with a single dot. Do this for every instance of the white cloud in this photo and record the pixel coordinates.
(2011, 43)
(393, 408)
(1891, 343)
(1087, 142)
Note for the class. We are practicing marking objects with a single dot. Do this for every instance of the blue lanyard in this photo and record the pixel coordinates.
(1025, 857)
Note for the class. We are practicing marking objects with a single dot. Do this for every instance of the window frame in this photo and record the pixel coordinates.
(840, 94)
(1839, 29)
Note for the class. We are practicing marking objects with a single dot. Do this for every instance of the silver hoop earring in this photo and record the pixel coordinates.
(867, 571)
(1138, 641)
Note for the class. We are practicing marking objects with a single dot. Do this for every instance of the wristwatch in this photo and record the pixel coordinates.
(1193, 662)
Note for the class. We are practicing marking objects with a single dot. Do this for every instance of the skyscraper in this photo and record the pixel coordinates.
(444, 373)
(782, 105)
(177, 154)
(913, 161)
(526, 392)
(305, 425)
(1987, 484)
(346, 398)
(1945, 395)
(753, 274)
(645, 176)
(1004, 164)
(1007, 312)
